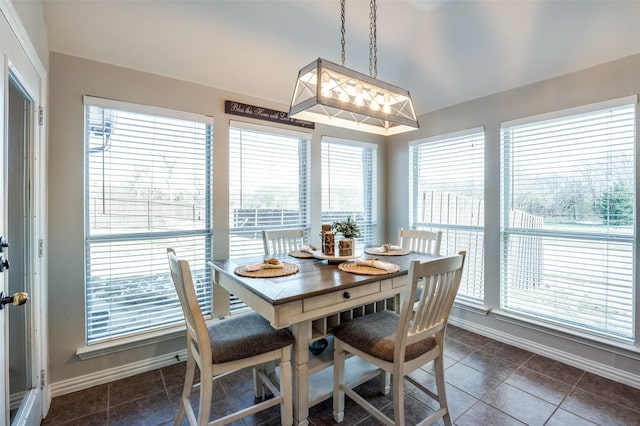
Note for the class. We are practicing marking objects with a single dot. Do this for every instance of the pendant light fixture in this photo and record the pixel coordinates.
(331, 94)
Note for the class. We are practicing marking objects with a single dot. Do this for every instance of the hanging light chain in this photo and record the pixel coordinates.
(373, 48)
(342, 42)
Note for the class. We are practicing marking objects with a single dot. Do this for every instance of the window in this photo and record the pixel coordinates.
(447, 194)
(350, 185)
(147, 187)
(268, 184)
(568, 218)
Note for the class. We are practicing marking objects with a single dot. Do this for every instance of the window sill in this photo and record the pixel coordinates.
(475, 308)
(132, 342)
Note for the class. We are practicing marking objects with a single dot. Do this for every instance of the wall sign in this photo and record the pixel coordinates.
(260, 113)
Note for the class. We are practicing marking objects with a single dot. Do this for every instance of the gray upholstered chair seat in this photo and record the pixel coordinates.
(375, 334)
(245, 336)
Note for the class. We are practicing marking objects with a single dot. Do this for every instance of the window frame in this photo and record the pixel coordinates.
(304, 189)
(99, 345)
(368, 226)
(414, 198)
(578, 330)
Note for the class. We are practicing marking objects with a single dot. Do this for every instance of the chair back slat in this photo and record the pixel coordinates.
(183, 283)
(429, 315)
(420, 240)
(282, 241)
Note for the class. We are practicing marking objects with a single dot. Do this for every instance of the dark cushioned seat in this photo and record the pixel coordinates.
(374, 334)
(245, 336)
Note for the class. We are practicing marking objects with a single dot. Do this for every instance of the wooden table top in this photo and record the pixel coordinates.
(314, 277)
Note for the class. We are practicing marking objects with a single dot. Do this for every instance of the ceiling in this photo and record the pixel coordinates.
(443, 51)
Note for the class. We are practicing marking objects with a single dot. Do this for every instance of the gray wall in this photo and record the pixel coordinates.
(609, 81)
(31, 15)
(69, 79)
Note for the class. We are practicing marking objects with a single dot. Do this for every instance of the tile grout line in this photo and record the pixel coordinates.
(108, 403)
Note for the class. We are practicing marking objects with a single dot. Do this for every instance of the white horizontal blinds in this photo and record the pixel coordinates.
(447, 194)
(568, 220)
(268, 185)
(350, 185)
(147, 186)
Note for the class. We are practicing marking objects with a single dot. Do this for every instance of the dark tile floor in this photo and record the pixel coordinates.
(489, 383)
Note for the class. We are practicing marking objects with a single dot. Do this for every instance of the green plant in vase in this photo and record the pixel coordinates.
(349, 230)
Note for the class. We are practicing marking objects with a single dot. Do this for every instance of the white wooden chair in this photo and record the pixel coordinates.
(399, 343)
(419, 240)
(225, 346)
(282, 241)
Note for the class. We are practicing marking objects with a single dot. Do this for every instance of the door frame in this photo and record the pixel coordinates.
(20, 58)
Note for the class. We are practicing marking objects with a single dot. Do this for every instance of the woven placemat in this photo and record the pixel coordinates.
(300, 254)
(378, 251)
(287, 269)
(366, 270)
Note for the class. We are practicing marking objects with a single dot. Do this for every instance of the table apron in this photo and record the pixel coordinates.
(285, 314)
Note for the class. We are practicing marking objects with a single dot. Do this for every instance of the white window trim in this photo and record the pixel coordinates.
(348, 142)
(145, 109)
(451, 135)
(463, 302)
(244, 125)
(576, 334)
(158, 334)
(612, 103)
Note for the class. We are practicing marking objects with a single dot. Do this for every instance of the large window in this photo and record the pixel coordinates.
(147, 187)
(268, 184)
(350, 185)
(568, 218)
(447, 194)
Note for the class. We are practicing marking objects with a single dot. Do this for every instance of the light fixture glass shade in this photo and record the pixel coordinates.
(332, 94)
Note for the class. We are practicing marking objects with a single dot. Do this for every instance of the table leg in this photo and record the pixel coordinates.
(302, 335)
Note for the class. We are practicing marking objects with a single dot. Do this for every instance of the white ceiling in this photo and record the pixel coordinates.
(443, 51)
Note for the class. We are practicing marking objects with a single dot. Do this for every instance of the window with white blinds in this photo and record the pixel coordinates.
(147, 187)
(268, 184)
(568, 218)
(350, 185)
(447, 194)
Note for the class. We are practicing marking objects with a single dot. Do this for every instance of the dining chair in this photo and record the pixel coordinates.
(228, 345)
(420, 240)
(282, 241)
(399, 343)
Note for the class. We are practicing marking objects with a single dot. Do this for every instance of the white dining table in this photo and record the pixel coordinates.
(311, 302)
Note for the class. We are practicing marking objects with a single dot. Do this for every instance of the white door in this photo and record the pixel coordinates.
(21, 398)
(4, 286)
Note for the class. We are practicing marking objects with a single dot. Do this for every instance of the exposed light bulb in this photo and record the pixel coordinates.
(359, 100)
(325, 89)
(386, 108)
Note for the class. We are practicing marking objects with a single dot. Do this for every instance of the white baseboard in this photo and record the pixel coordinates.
(573, 360)
(105, 376)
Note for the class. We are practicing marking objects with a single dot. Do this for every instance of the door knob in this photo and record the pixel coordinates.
(17, 299)
(3, 243)
(4, 263)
